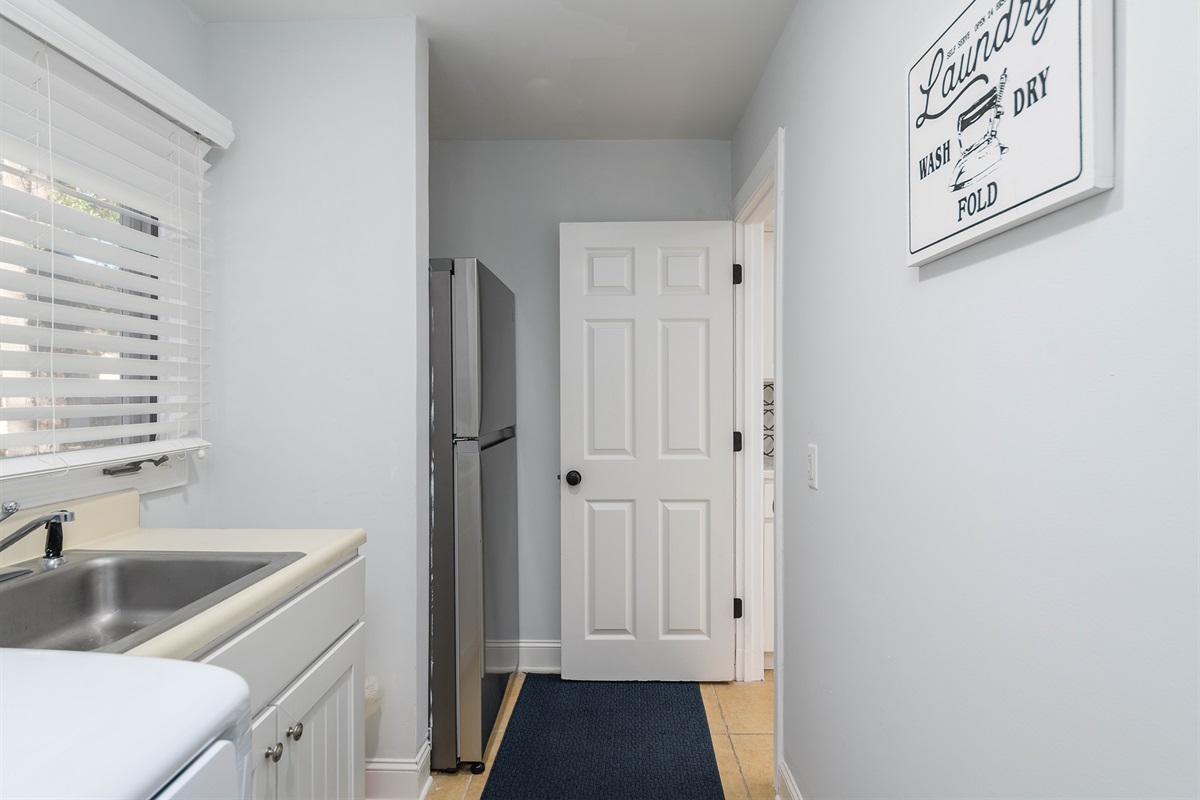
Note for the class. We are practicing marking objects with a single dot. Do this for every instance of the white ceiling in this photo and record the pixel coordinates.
(571, 69)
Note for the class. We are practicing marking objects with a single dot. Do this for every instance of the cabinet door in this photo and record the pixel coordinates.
(264, 735)
(320, 722)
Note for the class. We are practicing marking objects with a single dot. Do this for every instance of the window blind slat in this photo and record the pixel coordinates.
(140, 271)
(91, 156)
(35, 158)
(70, 146)
(96, 366)
(84, 433)
(189, 154)
(44, 287)
(38, 235)
(42, 337)
(162, 162)
(35, 205)
(19, 64)
(16, 122)
(100, 410)
(19, 95)
(24, 256)
(46, 313)
(98, 387)
(27, 195)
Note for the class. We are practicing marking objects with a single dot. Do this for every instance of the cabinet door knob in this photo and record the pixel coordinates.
(295, 732)
(275, 752)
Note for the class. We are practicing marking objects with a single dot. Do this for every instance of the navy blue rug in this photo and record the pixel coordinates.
(599, 740)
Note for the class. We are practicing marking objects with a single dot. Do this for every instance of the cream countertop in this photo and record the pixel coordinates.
(111, 522)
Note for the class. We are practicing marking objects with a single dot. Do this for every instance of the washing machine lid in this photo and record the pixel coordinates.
(99, 725)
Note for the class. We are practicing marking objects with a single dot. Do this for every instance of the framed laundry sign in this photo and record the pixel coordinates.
(1010, 116)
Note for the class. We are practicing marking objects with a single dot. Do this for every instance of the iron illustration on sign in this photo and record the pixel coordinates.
(1009, 118)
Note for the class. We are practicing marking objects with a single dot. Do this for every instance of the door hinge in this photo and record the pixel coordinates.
(737, 608)
(737, 274)
(737, 441)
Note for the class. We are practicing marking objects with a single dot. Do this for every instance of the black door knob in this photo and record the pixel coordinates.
(573, 478)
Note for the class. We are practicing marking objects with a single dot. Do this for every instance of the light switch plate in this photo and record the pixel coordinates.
(812, 466)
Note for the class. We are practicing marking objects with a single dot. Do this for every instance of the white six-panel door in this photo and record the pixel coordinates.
(646, 337)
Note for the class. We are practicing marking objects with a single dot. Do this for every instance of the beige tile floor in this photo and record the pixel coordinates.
(740, 718)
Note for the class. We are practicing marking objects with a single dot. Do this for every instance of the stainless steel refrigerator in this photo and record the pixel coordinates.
(473, 466)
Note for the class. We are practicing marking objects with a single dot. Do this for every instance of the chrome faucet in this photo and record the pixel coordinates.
(54, 536)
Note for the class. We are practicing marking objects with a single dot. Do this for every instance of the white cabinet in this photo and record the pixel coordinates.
(304, 664)
(265, 737)
(312, 727)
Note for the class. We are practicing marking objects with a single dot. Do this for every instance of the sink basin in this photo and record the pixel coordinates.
(111, 601)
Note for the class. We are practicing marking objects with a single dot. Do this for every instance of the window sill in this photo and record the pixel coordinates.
(59, 487)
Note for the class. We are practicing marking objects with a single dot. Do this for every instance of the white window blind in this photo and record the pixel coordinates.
(101, 221)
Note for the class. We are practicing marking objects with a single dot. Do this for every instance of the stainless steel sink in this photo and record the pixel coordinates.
(111, 601)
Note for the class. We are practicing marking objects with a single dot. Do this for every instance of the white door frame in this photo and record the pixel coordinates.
(767, 177)
(750, 210)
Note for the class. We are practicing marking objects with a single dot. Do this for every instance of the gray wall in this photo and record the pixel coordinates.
(166, 34)
(317, 273)
(320, 320)
(502, 202)
(995, 590)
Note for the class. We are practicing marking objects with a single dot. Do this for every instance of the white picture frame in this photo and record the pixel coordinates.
(1010, 117)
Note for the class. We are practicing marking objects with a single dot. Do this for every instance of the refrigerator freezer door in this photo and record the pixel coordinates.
(485, 379)
(466, 341)
(498, 351)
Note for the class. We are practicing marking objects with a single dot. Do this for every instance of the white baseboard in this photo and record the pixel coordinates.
(399, 778)
(785, 784)
(541, 655)
(769, 660)
(526, 655)
(502, 655)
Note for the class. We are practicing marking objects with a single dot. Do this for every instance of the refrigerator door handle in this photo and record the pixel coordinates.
(496, 437)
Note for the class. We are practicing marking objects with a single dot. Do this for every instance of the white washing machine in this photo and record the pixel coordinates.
(86, 726)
